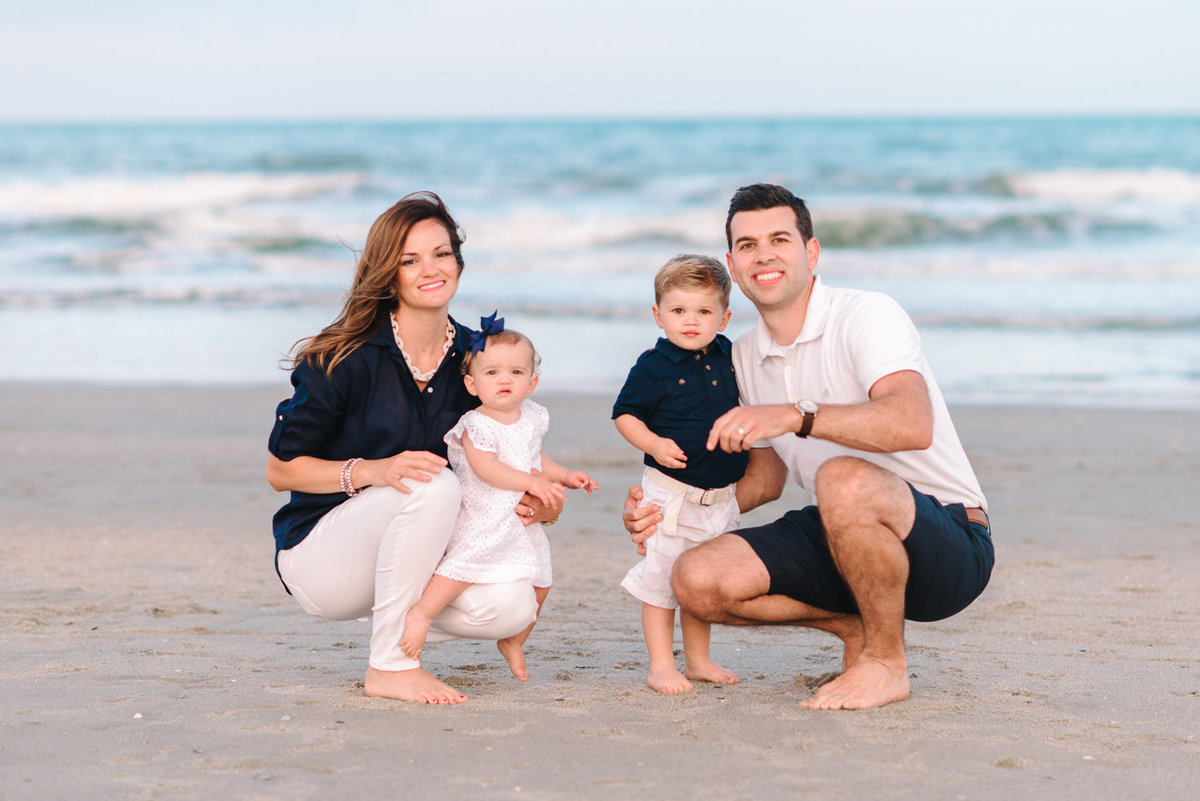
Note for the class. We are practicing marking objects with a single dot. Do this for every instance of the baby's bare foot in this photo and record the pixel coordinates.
(668, 680)
(708, 670)
(415, 685)
(416, 628)
(512, 649)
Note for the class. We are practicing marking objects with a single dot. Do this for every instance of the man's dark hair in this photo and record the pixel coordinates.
(758, 197)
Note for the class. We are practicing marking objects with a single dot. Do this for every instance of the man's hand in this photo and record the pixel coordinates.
(739, 428)
(640, 521)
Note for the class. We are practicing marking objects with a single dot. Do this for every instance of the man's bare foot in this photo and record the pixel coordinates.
(864, 685)
(416, 628)
(512, 649)
(850, 631)
(709, 670)
(668, 680)
(415, 685)
(852, 648)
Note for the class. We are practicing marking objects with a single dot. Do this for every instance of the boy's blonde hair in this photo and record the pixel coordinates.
(509, 336)
(692, 271)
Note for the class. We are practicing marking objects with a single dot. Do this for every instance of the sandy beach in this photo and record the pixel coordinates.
(151, 653)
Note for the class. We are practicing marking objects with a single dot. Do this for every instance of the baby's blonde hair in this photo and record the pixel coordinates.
(508, 336)
(692, 271)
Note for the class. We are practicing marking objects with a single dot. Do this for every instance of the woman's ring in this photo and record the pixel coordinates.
(742, 431)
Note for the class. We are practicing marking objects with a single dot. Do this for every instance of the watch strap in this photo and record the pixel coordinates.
(806, 426)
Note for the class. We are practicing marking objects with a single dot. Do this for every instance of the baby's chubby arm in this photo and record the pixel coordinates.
(662, 450)
(575, 479)
(493, 471)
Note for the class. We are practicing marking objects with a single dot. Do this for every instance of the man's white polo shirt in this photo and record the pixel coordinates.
(850, 340)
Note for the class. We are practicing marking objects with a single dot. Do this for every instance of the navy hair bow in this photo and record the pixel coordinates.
(487, 326)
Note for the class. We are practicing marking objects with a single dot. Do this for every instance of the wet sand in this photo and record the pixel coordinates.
(150, 651)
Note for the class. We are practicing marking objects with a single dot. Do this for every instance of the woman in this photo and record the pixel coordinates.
(359, 445)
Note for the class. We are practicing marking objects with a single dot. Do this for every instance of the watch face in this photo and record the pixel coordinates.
(807, 406)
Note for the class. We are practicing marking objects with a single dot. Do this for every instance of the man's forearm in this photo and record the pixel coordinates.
(765, 478)
(898, 417)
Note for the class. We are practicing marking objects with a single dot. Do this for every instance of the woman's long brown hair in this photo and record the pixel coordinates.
(373, 295)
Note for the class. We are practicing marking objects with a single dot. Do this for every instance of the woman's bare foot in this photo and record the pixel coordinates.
(667, 680)
(416, 628)
(708, 670)
(513, 651)
(415, 685)
(866, 684)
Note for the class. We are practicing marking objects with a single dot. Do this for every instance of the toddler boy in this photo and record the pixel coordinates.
(668, 404)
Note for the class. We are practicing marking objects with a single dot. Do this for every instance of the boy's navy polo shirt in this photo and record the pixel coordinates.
(370, 407)
(679, 394)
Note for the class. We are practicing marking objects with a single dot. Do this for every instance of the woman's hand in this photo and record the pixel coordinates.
(640, 521)
(531, 510)
(391, 472)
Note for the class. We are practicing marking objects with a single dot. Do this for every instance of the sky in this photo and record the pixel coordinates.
(316, 59)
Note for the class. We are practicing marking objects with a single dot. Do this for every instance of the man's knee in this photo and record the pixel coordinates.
(851, 490)
(846, 479)
(699, 579)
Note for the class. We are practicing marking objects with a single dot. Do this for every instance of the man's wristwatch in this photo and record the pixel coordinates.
(809, 410)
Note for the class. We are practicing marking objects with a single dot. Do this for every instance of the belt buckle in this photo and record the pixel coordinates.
(706, 497)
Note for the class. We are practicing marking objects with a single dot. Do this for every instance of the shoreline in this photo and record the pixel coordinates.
(594, 392)
(156, 652)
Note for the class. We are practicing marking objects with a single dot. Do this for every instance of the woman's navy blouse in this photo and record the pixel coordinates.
(370, 407)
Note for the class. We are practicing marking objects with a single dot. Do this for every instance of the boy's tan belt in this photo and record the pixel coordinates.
(700, 497)
(684, 493)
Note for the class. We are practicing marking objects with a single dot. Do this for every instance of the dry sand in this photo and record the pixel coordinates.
(150, 652)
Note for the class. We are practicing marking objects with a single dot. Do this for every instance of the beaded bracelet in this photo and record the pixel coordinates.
(347, 469)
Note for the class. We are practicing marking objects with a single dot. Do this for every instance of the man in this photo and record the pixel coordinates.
(834, 381)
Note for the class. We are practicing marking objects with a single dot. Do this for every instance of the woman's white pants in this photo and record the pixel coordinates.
(374, 554)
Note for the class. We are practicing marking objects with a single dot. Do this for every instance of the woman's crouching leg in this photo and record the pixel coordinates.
(487, 612)
(409, 551)
(334, 572)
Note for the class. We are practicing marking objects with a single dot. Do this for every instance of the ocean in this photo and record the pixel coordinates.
(1045, 261)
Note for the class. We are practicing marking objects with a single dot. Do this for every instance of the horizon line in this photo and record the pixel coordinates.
(561, 118)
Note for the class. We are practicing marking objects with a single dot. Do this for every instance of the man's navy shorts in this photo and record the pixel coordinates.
(950, 560)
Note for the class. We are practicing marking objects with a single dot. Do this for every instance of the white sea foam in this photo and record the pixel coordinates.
(124, 197)
(1100, 186)
(543, 229)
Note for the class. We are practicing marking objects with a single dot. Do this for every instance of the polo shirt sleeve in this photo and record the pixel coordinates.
(637, 397)
(311, 417)
(882, 339)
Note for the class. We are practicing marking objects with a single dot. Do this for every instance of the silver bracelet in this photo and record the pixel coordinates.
(347, 469)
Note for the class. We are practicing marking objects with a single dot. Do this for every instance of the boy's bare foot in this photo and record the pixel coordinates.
(416, 628)
(415, 685)
(866, 684)
(511, 648)
(668, 680)
(709, 670)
